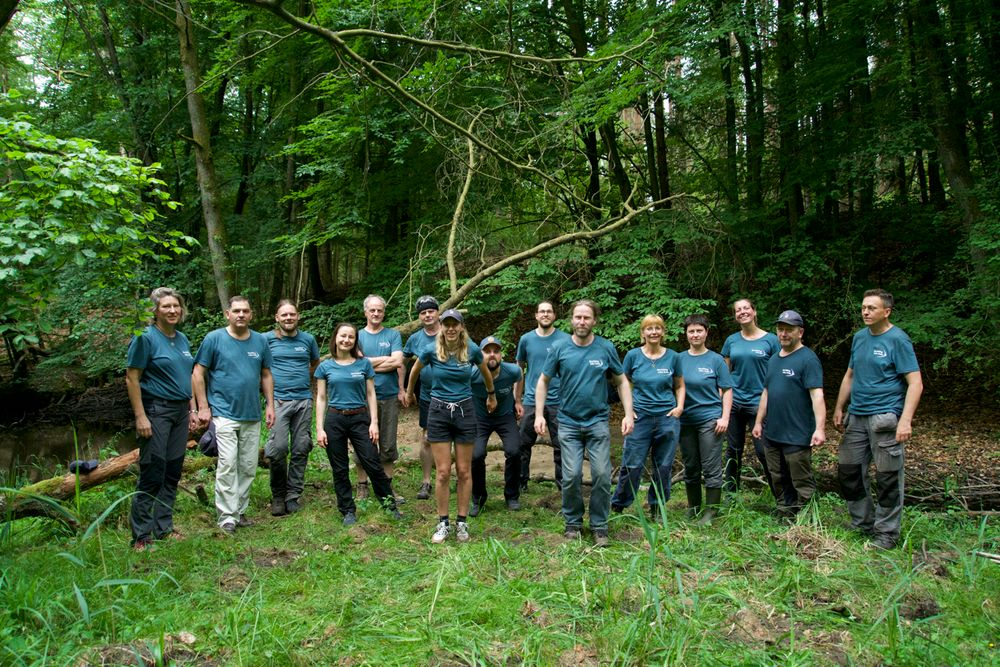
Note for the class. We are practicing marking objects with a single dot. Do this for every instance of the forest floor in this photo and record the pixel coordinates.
(304, 589)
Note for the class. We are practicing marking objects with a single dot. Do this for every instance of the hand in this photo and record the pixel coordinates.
(204, 417)
(675, 413)
(518, 410)
(818, 437)
(721, 425)
(628, 423)
(373, 432)
(838, 419)
(142, 427)
(269, 416)
(321, 438)
(904, 429)
(401, 397)
(192, 422)
(539, 424)
(409, 399)
(491, 403)
(757, 431)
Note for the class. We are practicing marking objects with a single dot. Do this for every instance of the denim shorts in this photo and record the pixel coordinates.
(451, 422)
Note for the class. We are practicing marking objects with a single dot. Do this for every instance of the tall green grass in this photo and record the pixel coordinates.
(304, 590)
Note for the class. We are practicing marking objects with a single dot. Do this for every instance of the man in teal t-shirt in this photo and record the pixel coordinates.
(427, 311)
(507, 378)
(792, 414)
(294, 357)
(232, 366)
(582, 365)
(883, 385)
(384, 349)
(532, 350)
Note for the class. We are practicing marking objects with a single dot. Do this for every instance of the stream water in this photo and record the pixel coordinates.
(33, 453)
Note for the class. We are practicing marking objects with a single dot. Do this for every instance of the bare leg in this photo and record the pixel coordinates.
(427, 459)
(442, 492)
(463, 469)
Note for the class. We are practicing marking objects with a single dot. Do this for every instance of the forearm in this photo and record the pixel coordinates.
(761, 410)
(132, 376)
(727, 403)
(819, 408)
(844, 394)
(914, 389)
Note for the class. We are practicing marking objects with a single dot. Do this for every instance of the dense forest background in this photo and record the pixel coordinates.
(655, 156)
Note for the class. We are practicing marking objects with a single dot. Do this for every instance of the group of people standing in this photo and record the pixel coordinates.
(769, 383)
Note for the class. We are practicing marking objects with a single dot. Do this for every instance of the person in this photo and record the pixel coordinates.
(502, 421)
(746, 353)
(792, 415)
(658, 399)
(232, 366)
(158, 380)
(384, 349)
(705, 420)
(582, 363)
(451, 416)
(532, 349)
(348, 411)
(294, 357)
(426, 339)
(882, 386)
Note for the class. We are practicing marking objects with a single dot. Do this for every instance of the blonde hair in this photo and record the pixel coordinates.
(461, 354)
(649, 321)
(161, 293)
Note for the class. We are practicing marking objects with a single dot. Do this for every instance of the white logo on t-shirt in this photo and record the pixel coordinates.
(665, 371)
(253, 355)
(759, 352)
(704, 371)
(357, 374)
(300, 348)
(788, 372)
(879, 353)
(596, 363)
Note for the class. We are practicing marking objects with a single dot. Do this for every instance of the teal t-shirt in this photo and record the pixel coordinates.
(652, 381)
(291, 357)
(532, 350)
(233, 377)
(382, 344)
(582, 371)
(503, 385)
(415, 345)
(346, 384)
(879, 364)
(165, 362)
(704, 375)
(452, 379)
(790, 419)
(748, 365)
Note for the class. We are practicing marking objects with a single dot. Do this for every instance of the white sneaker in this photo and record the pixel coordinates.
(462, 532)
(441, 534)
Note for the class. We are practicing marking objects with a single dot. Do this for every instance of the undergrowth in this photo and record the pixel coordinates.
(305, 590)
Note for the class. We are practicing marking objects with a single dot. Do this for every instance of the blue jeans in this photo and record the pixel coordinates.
(656, 435)
(596, 441)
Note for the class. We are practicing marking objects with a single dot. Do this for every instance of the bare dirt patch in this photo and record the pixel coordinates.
(578, 656)
(234, 580)
(809, 544)
(176, 649)
(274, 558)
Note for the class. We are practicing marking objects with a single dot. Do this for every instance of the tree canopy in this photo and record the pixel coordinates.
(656, 156)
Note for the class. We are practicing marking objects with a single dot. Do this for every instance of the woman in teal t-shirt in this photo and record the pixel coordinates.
(452, 415)
(345, 385)
(158, 379)
(708, 401)
(747, 353)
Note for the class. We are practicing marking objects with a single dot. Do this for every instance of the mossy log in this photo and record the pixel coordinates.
(40, 498)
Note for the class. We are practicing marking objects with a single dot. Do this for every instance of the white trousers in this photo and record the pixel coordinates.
(238, 451)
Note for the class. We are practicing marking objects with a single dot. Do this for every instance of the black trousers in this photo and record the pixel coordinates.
(161, 460)
(506, 427)
(354, 428)
(529, 437)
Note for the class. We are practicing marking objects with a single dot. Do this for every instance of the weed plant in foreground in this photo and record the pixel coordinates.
(305, 590)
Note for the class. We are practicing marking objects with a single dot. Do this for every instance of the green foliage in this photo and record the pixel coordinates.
(68, 209)
(305, 590)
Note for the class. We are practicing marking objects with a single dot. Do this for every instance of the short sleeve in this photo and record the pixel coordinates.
(725, 378)
(138, 352)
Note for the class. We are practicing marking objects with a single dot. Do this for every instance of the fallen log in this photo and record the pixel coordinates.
(41, 498)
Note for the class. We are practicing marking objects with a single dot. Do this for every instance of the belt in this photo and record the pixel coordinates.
(352, 411)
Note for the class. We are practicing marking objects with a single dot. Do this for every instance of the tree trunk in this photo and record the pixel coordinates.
(647, 135)
(788, 128)
(204, 159)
